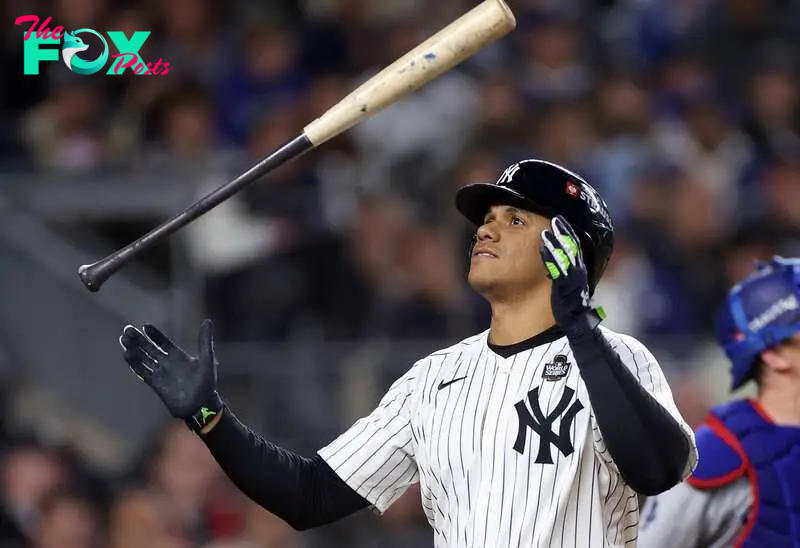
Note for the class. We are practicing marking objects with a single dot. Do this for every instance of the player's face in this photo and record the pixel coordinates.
(505, 260)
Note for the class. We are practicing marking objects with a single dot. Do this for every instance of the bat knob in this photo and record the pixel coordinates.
(86, 273)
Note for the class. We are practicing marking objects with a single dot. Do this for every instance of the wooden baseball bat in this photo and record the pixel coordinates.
(482, 25)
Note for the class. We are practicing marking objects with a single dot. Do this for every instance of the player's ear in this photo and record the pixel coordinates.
(776, 360)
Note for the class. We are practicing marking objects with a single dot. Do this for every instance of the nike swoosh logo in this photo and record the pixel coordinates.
(448, 383)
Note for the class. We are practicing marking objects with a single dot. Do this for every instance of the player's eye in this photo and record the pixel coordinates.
(517, 220)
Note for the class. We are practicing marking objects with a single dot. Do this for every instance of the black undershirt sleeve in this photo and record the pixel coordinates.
(646, 443)
(304, 492)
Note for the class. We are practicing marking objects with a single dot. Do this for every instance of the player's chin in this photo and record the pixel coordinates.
(481, 276)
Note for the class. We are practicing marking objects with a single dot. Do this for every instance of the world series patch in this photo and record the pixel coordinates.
(557, 369)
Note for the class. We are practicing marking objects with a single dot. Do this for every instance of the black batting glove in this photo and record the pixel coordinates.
(570, 298)
(187, 385)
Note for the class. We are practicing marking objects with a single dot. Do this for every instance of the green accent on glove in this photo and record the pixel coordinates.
(563, 259)
(571, 245)
(552, 269)
(206, 413)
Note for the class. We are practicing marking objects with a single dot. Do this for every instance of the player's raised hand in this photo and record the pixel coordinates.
(186, 384)
(563, 261)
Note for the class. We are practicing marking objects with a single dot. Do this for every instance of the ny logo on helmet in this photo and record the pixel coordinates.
(508, 174)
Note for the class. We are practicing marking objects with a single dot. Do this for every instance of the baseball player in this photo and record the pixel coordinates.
(745, 490)
(540, 431)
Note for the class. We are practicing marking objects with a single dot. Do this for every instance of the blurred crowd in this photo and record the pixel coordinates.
(685, 114)
(175, 497)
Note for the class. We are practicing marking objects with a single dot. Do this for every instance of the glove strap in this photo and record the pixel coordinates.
(206, 413)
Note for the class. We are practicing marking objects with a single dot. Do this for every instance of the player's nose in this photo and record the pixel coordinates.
(486, 232)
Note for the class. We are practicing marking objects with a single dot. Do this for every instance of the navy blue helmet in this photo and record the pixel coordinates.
(549, 190)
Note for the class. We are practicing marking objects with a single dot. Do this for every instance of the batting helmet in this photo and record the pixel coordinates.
(760, 312)
(548, 189)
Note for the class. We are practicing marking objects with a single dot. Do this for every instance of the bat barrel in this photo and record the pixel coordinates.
(461, 39)
(94, 275)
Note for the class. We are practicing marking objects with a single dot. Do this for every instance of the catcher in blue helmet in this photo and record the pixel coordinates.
(745, 490)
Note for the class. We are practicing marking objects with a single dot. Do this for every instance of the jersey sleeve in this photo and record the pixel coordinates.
(674, 517)
(641, 362)
(693, 518)
(375, 456)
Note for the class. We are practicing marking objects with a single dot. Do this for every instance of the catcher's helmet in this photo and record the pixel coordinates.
(760, 312)
(548, 189)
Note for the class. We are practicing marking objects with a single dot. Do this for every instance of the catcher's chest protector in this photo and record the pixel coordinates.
(739, 440)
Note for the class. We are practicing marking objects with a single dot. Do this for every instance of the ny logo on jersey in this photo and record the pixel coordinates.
(543, 425)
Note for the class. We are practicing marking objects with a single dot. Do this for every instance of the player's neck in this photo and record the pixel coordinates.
(519, 320)
(781, 401)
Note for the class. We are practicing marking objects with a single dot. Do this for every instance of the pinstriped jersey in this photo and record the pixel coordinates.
(506, 450)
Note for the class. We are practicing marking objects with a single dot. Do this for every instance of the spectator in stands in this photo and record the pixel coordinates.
(192, 41)
(552, 67)
(623, 115)
(68, 520)
(29, 472)
(259, 79)
(169, 503)
(65, 133)
(261, 530)
(187, 140)
(773, 112)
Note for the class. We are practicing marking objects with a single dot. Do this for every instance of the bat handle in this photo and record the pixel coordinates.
(95, 275)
